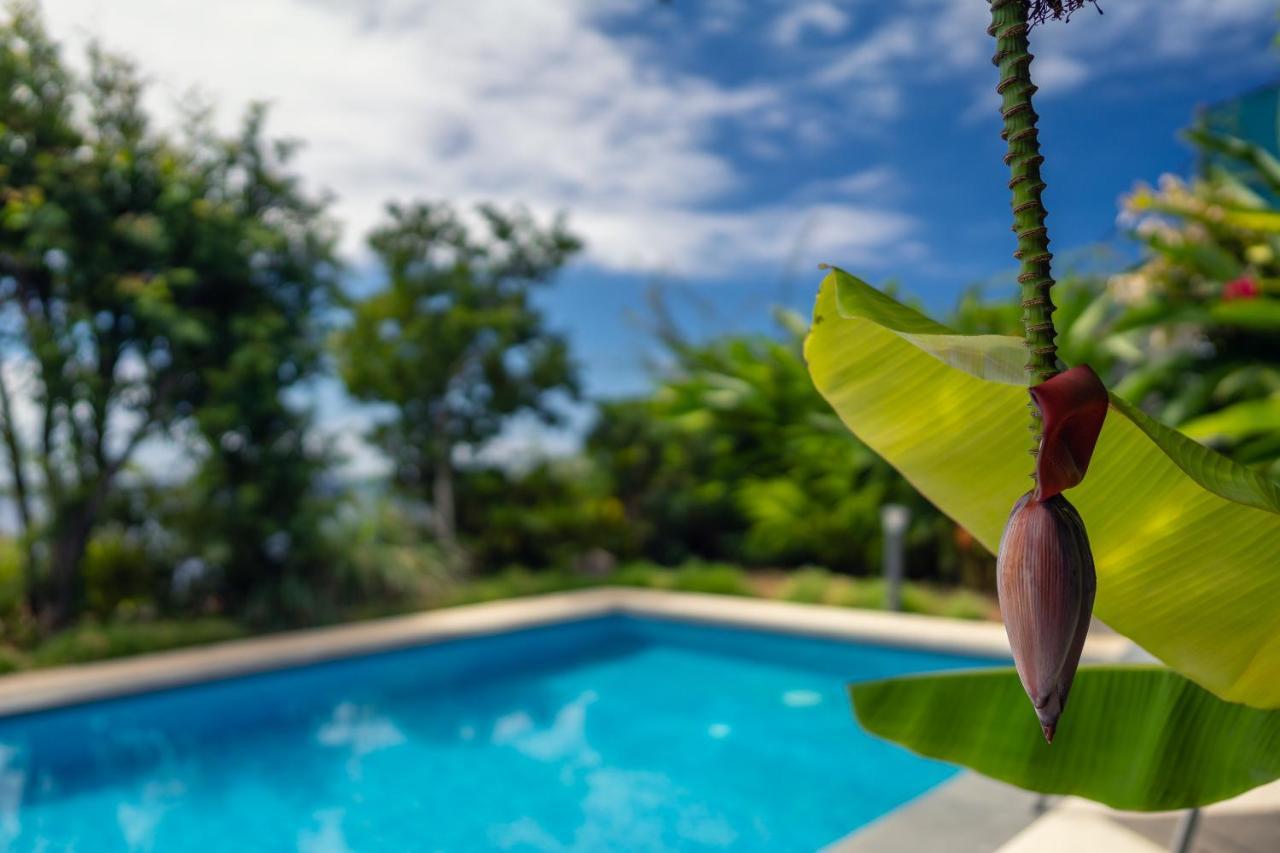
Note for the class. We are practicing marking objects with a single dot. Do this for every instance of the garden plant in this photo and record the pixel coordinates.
(1182, 540)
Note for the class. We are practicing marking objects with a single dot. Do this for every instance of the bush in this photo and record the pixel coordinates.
(383, 555)
(809, 585)
(516, 582)
(12, 564)
(716, 578)
(956, 604)
(550, 515)
(117, 572)
(12, 660)
(89, 642)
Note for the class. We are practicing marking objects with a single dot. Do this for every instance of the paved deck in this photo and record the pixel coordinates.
(969, 814)
(1249, 823)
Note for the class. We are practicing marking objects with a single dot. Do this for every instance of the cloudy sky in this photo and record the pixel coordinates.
(724, 147)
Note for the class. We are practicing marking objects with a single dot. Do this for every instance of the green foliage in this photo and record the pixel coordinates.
(12, 561)
(556, 513)
(1188, 334)
(160, 284)
(385, 557)
(516, 582)
(1188, 337)
(1201, 313)
(1134, 738)
(12, 660)
(713, 578)
(267, 244)
(737, 457)
(117, 571)
(452, 342)
(814, 585)
(91, 641)
(1158, 506)
(808, 585)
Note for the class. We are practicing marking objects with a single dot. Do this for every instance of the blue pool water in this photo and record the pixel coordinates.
(606, 734)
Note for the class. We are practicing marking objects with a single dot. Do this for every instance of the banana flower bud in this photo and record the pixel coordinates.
(1046, 584)
(1044, 570)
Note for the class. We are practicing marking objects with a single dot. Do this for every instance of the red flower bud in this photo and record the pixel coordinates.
(1242, 288)
(1046, 584)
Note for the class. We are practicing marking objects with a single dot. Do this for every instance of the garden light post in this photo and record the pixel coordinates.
(894, 519)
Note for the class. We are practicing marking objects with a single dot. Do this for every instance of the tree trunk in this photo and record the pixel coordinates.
(443, 512)
(70, 543)
(17, 459)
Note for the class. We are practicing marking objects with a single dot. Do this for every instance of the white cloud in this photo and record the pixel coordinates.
(1056, 73)
(932, 39)
(706, 242)
(876, 179)
(875, 56)
(486, 99)
(790, 28)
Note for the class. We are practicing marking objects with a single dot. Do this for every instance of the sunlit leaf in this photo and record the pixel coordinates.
(1140, 738)
(1185, 540)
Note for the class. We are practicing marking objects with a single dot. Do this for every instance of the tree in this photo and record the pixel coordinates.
(266, 251)
(735, 456)
(452, 342)
(139, 275)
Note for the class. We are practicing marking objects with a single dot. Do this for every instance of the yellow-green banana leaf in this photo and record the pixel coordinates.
(1186, 542)
(1140, 738)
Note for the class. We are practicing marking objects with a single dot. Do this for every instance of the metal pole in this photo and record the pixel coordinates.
(1185, 832)
(894, 519)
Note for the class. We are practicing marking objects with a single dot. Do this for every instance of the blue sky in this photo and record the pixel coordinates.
(722, 148)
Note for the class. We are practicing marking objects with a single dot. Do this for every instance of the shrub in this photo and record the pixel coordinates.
(12, 564)
(118, 571)
(717, 578)
(809, 585)
(90, 641)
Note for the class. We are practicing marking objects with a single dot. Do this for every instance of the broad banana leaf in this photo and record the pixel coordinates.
(1141, 738)
(1186, 542)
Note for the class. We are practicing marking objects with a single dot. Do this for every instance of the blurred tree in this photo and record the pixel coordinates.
(145, 282)
(737, 457)
(452, 342)
(266, 252)
(555, 514)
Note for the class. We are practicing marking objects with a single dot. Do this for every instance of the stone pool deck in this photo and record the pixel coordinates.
(973, 814)
(39, 689)
(966, 814)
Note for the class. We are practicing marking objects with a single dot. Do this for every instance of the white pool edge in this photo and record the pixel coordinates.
(68, 685)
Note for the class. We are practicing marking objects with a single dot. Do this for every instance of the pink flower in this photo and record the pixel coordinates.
(1242, 288)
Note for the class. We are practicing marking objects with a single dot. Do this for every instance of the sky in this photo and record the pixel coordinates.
(718, 150)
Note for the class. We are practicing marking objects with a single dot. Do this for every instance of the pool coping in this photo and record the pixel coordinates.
(38, 690)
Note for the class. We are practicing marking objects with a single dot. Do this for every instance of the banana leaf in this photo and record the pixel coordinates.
(1140, 738)
(1186, 542)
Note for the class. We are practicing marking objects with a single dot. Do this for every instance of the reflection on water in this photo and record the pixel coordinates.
(564, 740)
(325, 836)
(12, 780)
(361, 731)
(139, 819)
(801, 698)
(642, 744)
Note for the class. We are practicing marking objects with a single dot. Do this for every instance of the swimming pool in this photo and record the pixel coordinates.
(614, 732)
